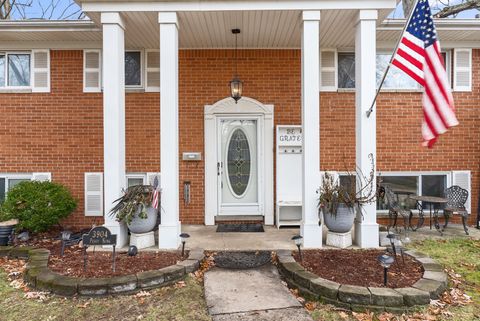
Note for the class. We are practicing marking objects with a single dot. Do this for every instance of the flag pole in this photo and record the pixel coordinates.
(370, 110)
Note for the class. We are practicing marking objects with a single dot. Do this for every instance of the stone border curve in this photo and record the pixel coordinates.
(359, 299)
(39, 276)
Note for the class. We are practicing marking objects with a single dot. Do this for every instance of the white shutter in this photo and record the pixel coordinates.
(462, 179)
(151, 178)
(462, 73)
(152, 58)
(93, 194)
(41, 70)
(328, 70)
(92, 71)
(42, 177)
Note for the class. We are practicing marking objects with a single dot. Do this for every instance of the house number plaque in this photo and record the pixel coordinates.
(290, 136)
(99, 235)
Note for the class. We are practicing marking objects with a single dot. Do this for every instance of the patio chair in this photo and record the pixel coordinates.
(456, 199)
(394, 209)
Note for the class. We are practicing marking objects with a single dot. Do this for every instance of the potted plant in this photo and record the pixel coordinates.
(135, 209)
(338, 203)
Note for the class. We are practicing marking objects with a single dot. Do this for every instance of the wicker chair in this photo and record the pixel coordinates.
(394, 209)
(456, 199)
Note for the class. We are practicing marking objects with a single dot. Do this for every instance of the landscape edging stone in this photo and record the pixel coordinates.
(357, 298)
(39, 276)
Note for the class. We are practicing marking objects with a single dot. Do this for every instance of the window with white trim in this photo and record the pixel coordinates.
(136, 179)
(15, 70)
(7, 181)
(133, 69)
(404, 184)
(396, 79)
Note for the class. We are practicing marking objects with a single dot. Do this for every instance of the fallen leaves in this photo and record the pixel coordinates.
(180, 284)
(36, 295)
(206, 264)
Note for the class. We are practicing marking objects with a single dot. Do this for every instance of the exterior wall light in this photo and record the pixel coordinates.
(236, 85)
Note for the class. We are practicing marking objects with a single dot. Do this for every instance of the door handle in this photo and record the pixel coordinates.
(218, 169)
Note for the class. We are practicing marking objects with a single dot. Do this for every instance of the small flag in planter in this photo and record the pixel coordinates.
(156, 194)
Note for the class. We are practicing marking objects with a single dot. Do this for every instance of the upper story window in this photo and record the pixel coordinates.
(142, 70)
(14, 69)
(133, 69)
(396, 79)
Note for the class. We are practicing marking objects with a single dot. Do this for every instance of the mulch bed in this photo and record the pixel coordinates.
(99, 263)
(360, 267)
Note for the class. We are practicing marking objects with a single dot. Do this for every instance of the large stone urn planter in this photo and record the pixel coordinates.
(144, 225)
(6, 230)
(342, 222)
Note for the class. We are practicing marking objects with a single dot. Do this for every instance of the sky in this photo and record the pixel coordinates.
(54, 9)
(67, 9)
(437, 5)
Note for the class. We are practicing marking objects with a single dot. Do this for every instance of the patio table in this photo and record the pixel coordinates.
(422, 202)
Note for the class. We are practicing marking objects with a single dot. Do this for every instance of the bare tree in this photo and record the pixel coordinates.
(40, 9)
(445, 8)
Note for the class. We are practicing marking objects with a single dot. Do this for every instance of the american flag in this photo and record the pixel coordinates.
(419, 56)
(156, 194)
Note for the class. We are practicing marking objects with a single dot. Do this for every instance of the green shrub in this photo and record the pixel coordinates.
(37, 205)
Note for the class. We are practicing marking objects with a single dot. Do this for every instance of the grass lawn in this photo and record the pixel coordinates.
(180, 304)
(187, 303)
(460, 256)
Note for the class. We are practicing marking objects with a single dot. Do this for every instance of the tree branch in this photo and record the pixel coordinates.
(455, 9)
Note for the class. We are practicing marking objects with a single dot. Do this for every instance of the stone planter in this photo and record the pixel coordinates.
(144, 225)
(342, 222)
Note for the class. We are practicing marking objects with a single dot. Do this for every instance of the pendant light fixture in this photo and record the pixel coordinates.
(236, 85)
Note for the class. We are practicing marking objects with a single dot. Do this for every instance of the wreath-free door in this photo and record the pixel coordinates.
(238, 166)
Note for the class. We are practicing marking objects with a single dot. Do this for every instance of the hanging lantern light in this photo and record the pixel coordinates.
(236, 85)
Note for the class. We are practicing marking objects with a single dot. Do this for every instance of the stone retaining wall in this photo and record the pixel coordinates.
(357, 298)
(39, 276)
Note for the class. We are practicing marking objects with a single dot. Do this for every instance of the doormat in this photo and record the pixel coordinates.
(240, 227)
(242, 259)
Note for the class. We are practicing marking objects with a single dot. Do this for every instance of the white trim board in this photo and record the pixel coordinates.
(245, 107)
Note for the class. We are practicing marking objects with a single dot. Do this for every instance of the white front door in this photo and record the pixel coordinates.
(238, 170)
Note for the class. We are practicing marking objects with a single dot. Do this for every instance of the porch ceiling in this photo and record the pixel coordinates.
(259, 29)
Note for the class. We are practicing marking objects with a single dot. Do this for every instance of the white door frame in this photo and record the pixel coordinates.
(226, 108)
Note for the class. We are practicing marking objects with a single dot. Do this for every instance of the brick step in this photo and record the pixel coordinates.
(238, 219)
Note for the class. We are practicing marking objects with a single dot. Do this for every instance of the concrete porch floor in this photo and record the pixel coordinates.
(207, 238)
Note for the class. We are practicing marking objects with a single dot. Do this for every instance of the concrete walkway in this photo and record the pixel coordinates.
(247, 295)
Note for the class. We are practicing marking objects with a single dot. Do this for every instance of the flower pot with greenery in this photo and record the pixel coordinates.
(135, 209)
(339, 203)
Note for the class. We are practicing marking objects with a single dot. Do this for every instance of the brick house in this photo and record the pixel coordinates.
(140, 89)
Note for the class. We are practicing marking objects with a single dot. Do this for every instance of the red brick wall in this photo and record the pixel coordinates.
(61, 132)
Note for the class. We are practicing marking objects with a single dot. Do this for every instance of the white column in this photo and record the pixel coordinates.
(310, 230)
(114, 118)
(366, 227)
(169, 229)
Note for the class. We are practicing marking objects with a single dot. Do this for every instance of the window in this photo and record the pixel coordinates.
(346, 70)
(14, 70)
(404, 184)
(2, 189)
(133, 69)
(2, 70)
(10, 180)
(396, 79)
(135, 179)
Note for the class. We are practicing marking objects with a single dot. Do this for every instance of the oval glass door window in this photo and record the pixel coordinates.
(238, 162)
